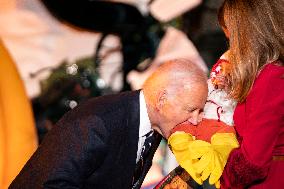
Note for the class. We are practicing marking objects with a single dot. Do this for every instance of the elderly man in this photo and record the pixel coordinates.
(108, 142)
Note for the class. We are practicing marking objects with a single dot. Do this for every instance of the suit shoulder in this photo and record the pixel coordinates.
(107, 104)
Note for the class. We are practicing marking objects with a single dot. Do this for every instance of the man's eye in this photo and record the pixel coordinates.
(191, 110)
(194, 109)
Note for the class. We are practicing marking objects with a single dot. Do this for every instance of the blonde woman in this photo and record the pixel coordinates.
(255, 29)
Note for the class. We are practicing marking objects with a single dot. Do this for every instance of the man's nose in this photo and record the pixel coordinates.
(193, 121)
(195, 117)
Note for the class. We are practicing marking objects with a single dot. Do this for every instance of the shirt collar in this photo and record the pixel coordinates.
(145, 124)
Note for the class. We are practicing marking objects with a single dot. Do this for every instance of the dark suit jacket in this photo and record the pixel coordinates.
(92, 146)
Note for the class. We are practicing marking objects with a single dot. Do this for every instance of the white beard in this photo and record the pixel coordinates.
(219, 98)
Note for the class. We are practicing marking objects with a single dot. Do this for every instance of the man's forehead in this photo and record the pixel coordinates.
(194, 85)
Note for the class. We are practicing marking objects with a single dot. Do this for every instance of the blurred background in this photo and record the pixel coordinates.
(65, 52)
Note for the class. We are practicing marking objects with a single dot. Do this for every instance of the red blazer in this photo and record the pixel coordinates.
(259, 123)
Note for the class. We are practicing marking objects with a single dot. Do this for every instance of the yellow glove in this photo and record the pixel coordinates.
(202, 159)
(223, 144)
(201, 151)
(179, 144)
(208, 169)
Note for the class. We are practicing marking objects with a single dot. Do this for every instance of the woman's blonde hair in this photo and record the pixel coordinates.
(256, 37)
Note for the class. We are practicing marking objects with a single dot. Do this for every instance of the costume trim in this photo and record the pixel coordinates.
(241, 172)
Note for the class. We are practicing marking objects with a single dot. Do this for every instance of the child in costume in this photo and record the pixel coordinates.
(203, 150)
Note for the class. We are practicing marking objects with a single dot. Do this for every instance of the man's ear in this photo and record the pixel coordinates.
(161, 99)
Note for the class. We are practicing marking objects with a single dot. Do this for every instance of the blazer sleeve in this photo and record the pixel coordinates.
(264, 110)
(70, 152)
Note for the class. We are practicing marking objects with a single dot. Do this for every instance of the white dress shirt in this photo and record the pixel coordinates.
(144, 126)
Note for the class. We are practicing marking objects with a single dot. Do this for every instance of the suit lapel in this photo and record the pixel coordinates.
(132, 136)
(133, 122)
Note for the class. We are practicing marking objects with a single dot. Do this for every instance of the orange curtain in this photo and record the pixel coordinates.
(18, 139)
